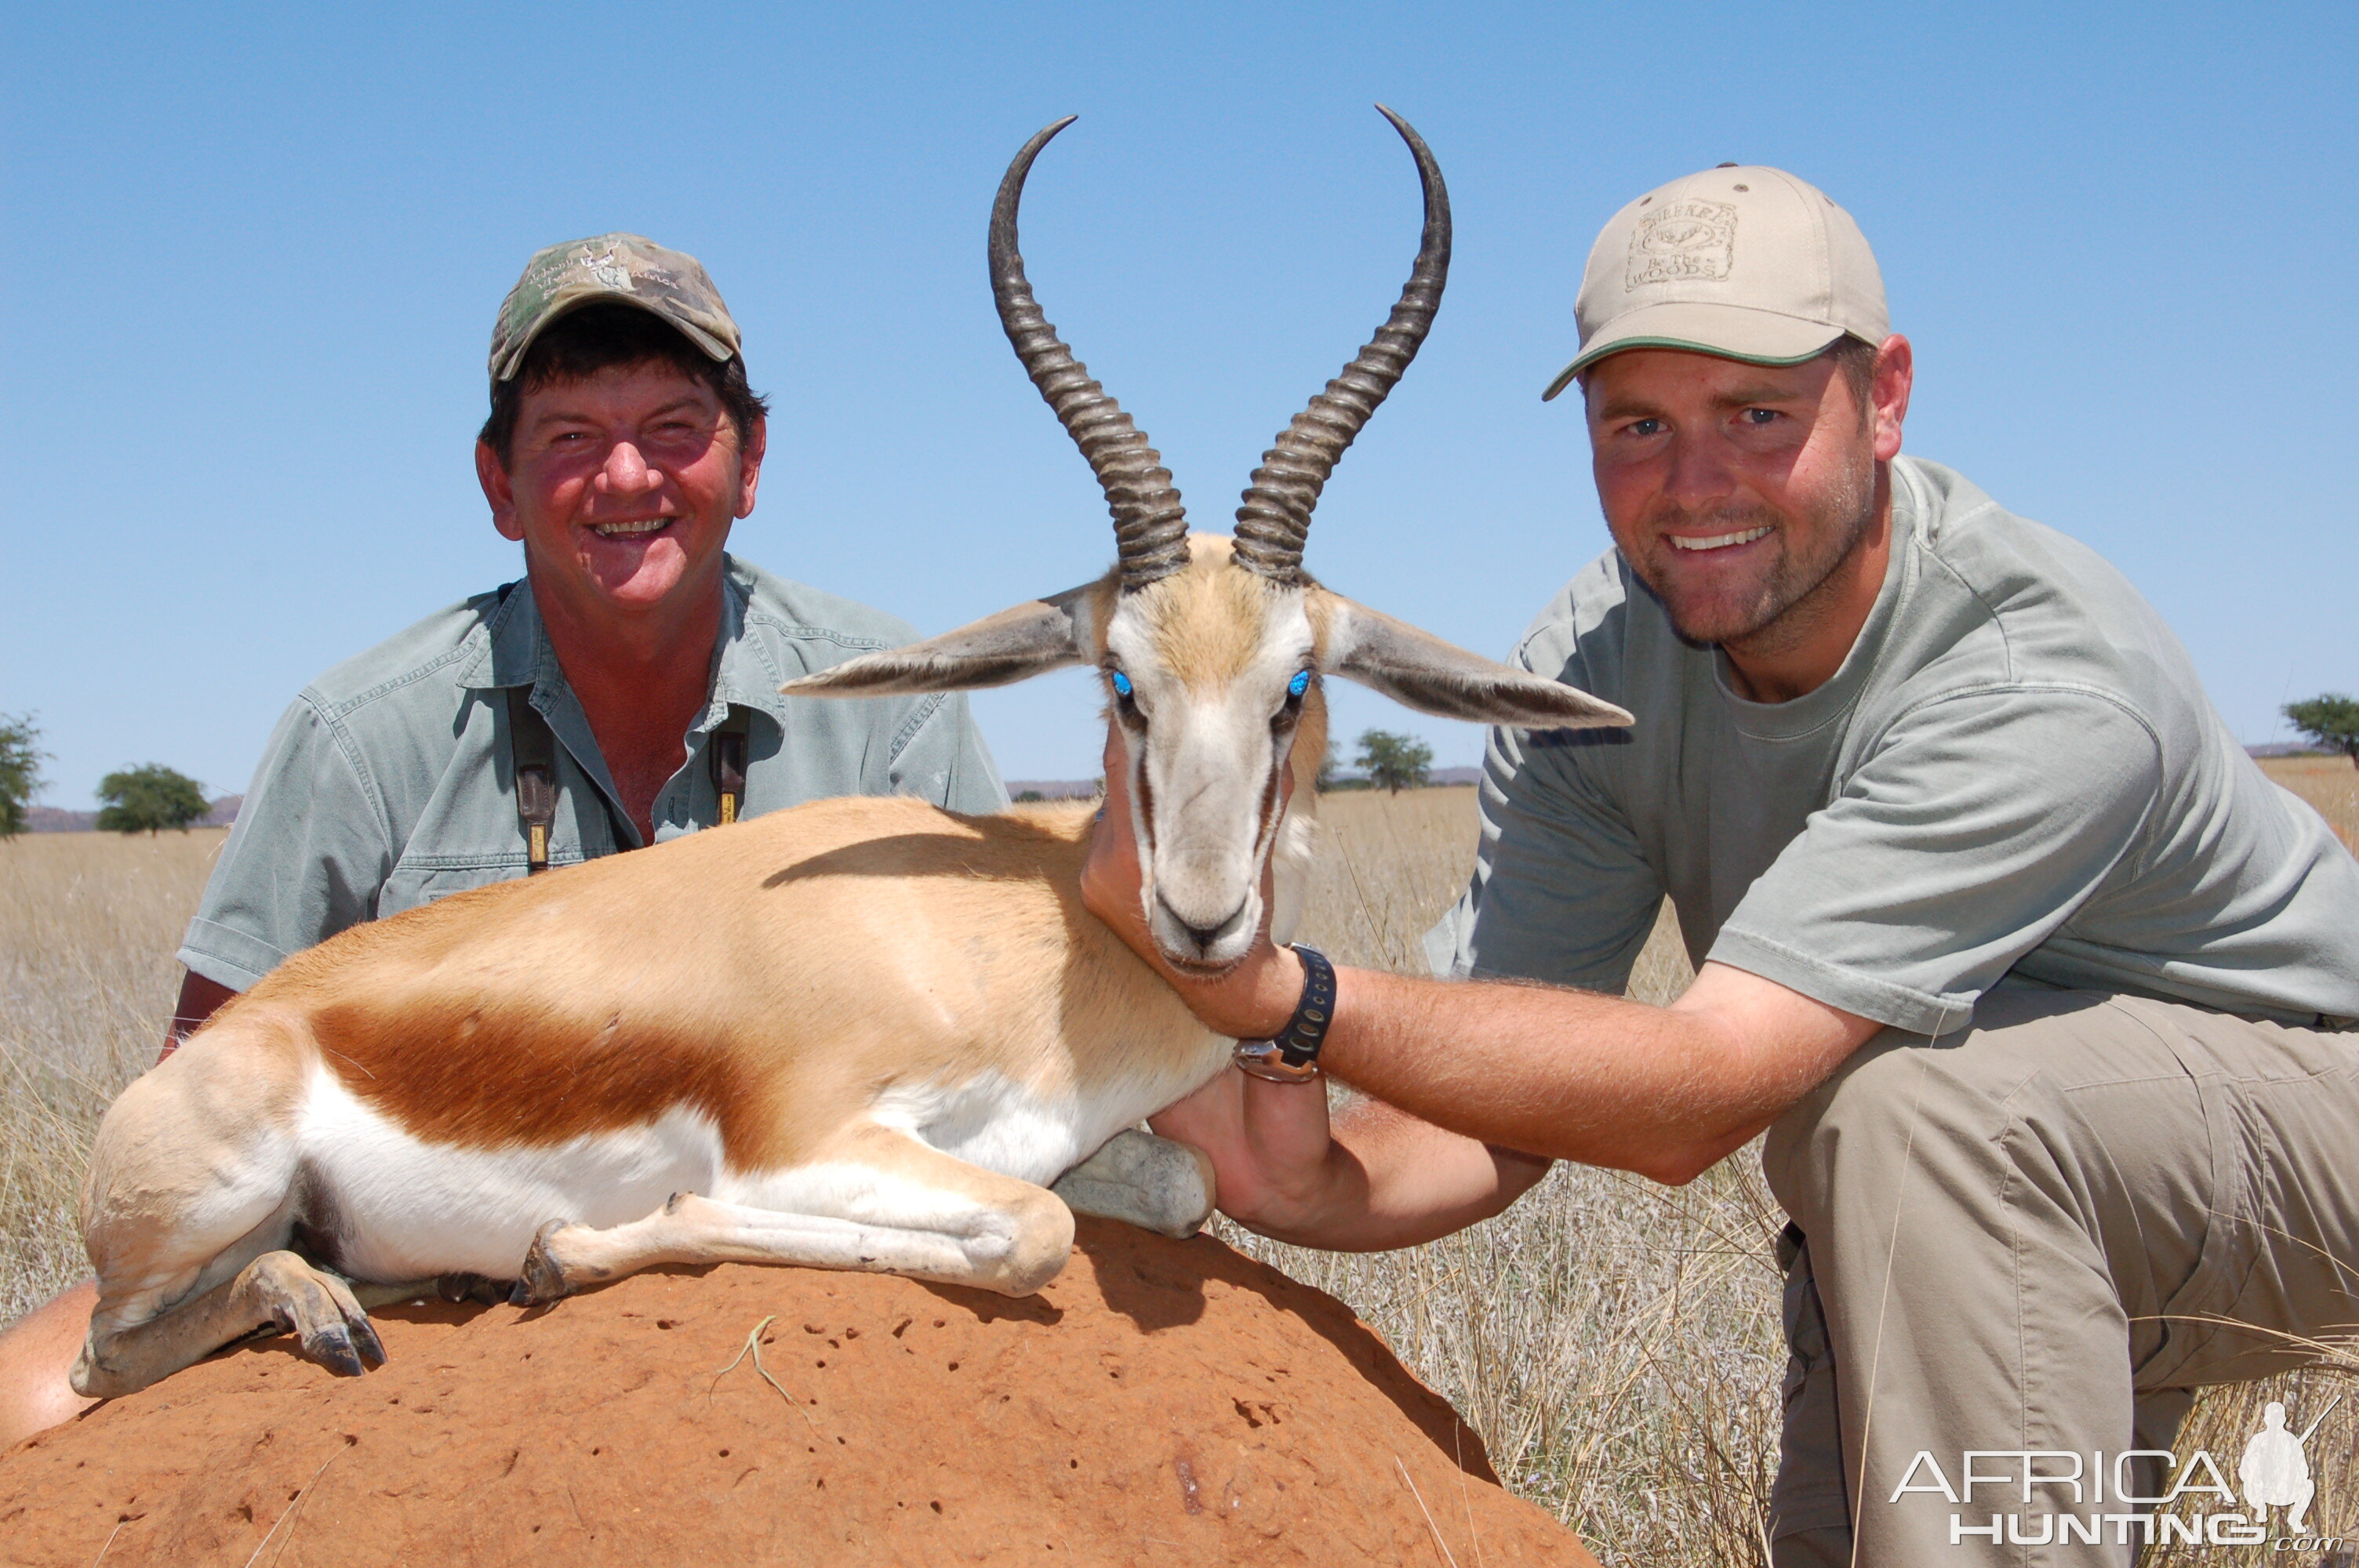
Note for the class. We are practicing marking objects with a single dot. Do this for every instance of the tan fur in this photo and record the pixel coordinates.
(909, 942)
(1208, 619)
(806, 986)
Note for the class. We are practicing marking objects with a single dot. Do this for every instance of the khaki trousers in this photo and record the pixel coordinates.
(2039, 1236)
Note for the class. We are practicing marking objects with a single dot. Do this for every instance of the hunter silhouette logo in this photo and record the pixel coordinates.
(2274, 1471)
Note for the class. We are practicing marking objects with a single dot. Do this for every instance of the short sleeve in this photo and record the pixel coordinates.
(1977, 825)
(1561, 891)
(941, 758)
(307, 858)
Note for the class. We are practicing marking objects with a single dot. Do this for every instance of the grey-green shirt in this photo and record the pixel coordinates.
(387, 785)
(2015, 775)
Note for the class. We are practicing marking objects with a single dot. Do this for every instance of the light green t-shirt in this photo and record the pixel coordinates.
(2013, 776)
(388, 784)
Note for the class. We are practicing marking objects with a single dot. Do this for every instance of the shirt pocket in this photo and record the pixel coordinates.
(418, 883)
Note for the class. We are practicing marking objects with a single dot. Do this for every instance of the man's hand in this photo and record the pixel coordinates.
(1275, 1164)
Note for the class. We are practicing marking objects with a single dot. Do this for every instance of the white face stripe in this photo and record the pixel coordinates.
(1204, 783)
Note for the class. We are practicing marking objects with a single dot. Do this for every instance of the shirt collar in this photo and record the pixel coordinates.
(511, 647)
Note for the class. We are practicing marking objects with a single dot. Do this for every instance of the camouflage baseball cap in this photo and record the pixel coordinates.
(626, 267)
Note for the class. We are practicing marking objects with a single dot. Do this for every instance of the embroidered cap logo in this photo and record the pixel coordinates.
(1685, 241)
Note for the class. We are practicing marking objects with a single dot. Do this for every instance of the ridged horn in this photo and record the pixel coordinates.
(1275, 517)
(1150, 524)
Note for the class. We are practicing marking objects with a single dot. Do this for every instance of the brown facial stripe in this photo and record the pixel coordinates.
(488, 1073)
(1146, 803)
(1271, 808)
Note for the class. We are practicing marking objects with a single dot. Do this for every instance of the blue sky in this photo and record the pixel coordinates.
(258, 250)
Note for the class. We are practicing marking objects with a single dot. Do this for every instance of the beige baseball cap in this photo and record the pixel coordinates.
(1741, 261)
(630, 268)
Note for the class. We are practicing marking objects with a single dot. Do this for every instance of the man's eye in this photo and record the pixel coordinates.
(1759, 416)
(1646, 426)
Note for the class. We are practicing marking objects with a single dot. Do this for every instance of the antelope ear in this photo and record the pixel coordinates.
(1013, 646)
(1421, 671)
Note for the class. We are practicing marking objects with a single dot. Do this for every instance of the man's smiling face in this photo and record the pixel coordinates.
(1735, 490)
(622, 486)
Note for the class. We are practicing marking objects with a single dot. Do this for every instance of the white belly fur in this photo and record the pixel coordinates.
(410, 1209)
(407, 1209)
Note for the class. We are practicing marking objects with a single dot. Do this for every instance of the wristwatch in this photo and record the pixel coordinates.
(1292, 1055)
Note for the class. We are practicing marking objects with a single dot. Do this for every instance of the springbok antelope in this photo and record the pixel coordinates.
(858, 1034)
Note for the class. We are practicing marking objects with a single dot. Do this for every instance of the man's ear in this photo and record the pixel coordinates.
(499, 490)
(1419, 670)
(1013, 646)
(751, 450)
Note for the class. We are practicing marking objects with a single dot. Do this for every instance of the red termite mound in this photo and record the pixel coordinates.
(1164, 1402)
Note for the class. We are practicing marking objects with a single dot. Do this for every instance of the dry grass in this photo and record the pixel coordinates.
(1615, 1342)
(87, 925)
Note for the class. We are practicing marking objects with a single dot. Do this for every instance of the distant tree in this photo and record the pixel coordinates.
(1026, 797)
(1327, 766)
(1395, 762)
(148, 799)
(2331, 720)
(20, 770)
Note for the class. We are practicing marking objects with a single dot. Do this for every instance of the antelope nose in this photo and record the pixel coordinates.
(1205, 935)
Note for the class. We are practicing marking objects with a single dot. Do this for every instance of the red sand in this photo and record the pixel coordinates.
(1161, 1402)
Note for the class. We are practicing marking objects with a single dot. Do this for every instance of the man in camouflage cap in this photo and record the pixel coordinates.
(635, 664)
(672, 284)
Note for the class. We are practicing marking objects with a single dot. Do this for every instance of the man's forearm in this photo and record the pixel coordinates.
(200, 1000)
(1576, 1075)
(1394, 1181)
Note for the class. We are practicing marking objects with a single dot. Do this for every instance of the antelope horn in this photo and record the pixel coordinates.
(1275, 517)
(1150, 525)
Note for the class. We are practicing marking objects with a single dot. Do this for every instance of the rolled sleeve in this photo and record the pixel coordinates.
(310, 849)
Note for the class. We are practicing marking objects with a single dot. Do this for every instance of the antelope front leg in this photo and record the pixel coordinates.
(277, 1289)
(881, 1203)
(1154, 1183)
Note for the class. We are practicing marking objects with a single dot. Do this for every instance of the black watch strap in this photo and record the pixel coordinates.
(1292, 1057)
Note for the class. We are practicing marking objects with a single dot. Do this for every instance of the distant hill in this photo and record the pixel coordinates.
(1082, 789)
(1051, 789)
(57, 819)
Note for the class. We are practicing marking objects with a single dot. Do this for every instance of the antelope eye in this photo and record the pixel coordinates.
(1122, 686)
(1299, 685)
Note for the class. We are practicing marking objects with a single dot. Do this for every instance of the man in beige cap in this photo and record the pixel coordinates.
(2042, 991)
(629, 679)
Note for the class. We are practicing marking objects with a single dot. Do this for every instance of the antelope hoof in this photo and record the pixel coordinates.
(320, 1310)
(543, 1280)
(1153, 1183)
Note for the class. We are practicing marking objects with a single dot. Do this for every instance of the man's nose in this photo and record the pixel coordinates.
(1699, 472)
(626, 472)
